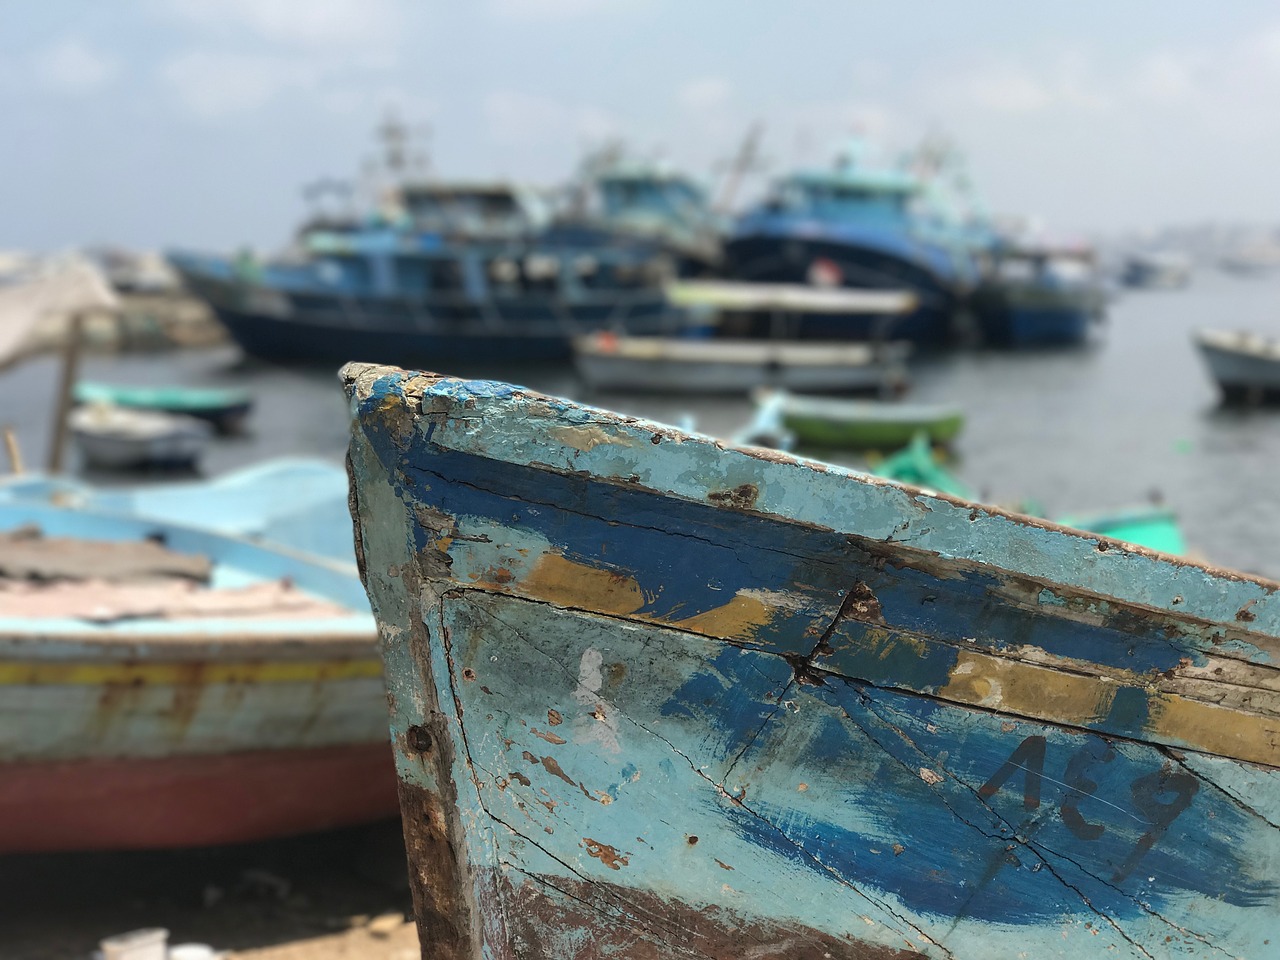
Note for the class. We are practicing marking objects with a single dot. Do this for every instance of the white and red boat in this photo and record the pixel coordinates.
(167, 686)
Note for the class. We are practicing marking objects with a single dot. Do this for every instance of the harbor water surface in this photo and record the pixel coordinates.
(1129, 418)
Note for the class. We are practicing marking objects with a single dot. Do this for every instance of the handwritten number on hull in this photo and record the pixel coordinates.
(1079, 787)
(1029, 757)
(1146, 791)
(1160, 796)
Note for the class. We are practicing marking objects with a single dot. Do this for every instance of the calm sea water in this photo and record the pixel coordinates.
(1130, 417)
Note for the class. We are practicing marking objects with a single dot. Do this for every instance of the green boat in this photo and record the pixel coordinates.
(1152, 526)
(224, 407)
(866, 424)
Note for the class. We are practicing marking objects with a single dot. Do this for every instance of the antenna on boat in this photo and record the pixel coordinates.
(747, 160)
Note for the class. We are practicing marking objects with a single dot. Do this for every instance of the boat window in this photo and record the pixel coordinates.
(444, 274)
(348, 273)
(615, 275)
(411, 276)
(503, 274)
(540, 273)
(468, 211)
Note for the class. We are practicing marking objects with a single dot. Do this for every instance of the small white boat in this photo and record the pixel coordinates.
(607, 361)
(1246, 366)
(115, 438)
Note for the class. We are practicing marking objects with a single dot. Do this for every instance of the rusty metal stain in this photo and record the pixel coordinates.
(606, 854)
(553, 768)
(741, 497)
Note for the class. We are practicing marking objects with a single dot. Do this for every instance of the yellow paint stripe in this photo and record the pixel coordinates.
(43, 673)
(740, 618)
(982, 680)
(1215, 729)
(1054, 696)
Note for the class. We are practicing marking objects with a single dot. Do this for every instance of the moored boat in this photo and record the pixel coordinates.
(1245, 366)
(117, 438)
(867, 425)
(711, 363)
(673, 365)
(1152, 525)
(170, 686)
(856, 226)
(225, 408)
(297, 503)
(1156, 270)
(1038, 296)
(656, 697)
(459, 272)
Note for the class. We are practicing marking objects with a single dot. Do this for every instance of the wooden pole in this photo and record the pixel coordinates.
(66, 390)
(13, 450)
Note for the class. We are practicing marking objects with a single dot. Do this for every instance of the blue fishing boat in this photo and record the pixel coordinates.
(652, 696)
(297, 503)
(615, 193)
(170, 686)
(1038, 295)
(862, 226)
(454, 272)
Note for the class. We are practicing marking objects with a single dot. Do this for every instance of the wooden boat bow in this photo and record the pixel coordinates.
(652, 695)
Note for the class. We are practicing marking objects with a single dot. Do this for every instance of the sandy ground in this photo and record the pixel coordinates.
(335, 896)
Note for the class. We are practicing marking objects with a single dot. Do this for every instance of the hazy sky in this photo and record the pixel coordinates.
(197, 122)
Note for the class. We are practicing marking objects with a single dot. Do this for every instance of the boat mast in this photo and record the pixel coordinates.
(746, 161)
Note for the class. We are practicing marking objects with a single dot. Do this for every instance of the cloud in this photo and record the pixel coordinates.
(311, 24)
(522, 119)
(73, 66)
(215, 85)
(1167, 77)
(1065, 83)
(253, 53)
(706, 93)
(526, 10)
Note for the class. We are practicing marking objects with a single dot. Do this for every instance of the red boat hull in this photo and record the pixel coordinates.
(191, 801)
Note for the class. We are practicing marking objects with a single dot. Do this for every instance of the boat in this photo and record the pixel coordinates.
(1151, 525)
(866, 424)
(117, 438)
(712, 363)
(168, 686)
(224, 408)
(1252, 260)
(607, 362)
(1038, 295)
(614, 192)
(1154, 526)
(655, 696)
(454, 272)
(856, 225)
(1245, 366)
(293, 502)
(1156, 270)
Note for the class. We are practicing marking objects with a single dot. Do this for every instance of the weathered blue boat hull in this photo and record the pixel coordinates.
(1031, 327)
(651, 697)
(787, 258)
(287, 325)
(1036, 315)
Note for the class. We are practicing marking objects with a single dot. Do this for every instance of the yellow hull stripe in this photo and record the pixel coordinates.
(43, 673)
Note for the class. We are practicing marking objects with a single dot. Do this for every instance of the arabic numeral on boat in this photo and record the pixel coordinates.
(1159, 797)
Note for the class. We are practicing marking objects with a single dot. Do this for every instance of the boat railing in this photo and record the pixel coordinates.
(425, 311)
